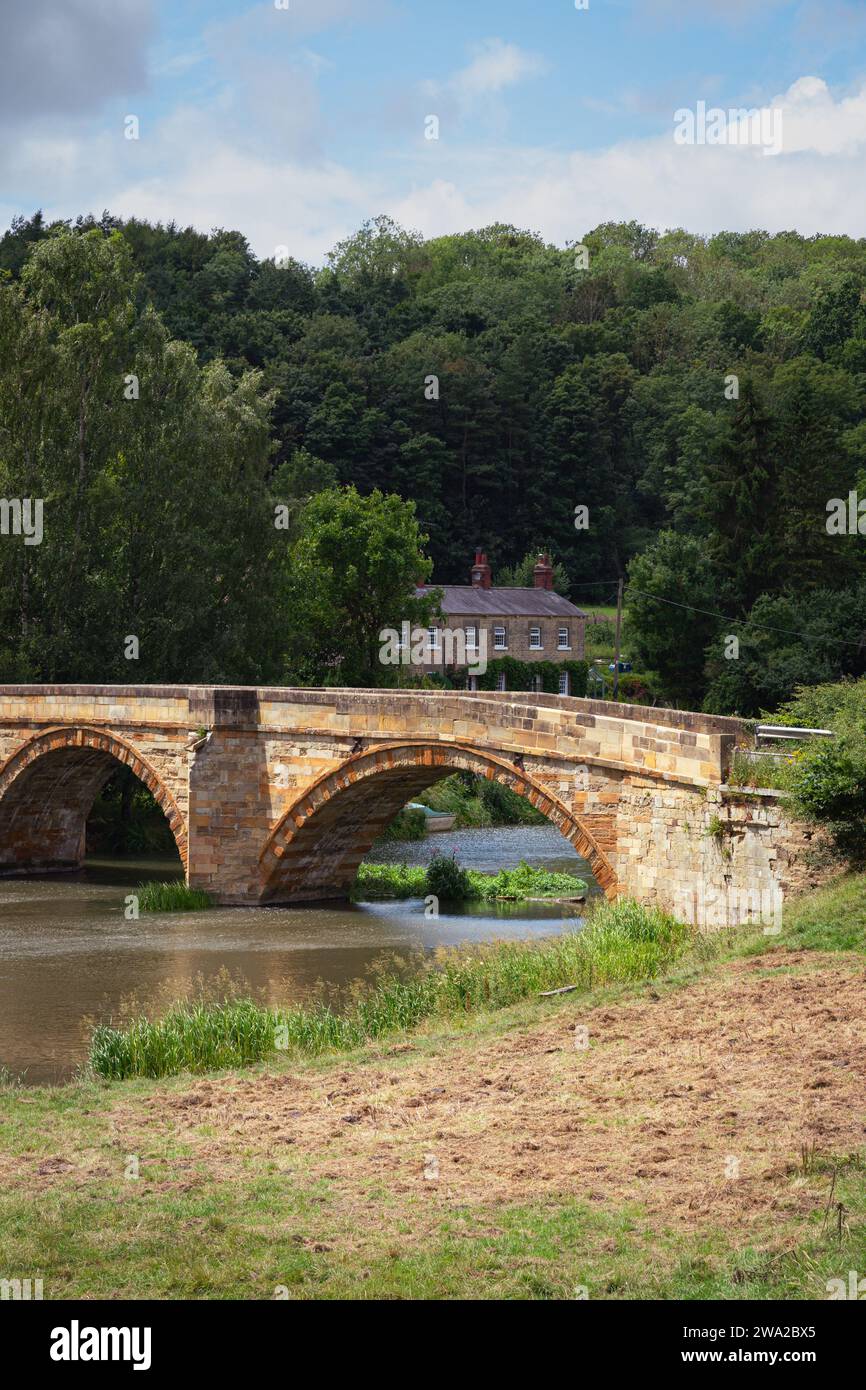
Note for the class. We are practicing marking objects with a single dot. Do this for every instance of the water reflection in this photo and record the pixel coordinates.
(67, 950)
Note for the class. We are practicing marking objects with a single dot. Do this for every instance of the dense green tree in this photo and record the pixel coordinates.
(667, 633)
(496, 380)
(153, 476)
(785, 642)
(741, 503)
(521, 575)
(350, 574)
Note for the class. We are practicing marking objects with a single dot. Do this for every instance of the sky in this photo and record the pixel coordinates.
(294, 121)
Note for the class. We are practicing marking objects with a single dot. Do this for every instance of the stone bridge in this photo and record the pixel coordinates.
(276, 795)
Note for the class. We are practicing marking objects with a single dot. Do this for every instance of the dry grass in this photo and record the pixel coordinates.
(692, 1149)
(752, 1065)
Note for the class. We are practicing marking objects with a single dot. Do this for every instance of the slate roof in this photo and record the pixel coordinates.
(468, 600)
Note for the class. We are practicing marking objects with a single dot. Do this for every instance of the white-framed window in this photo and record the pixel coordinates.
(564, 683)
(471, 637)
(433, 638)
(536, 684)
(535, 638)
(564, 640)
(500, 639)
(500, 681)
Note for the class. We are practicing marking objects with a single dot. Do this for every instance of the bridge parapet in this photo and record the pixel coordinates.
(666, 744)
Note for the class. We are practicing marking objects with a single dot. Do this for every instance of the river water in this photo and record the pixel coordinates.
(68, 955)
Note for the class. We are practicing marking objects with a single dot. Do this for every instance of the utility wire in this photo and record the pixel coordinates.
(741, 622)
(708, 613)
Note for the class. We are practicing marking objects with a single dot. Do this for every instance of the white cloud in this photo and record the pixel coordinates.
(497, 65)
(815, 184)
(273, 202)
(192, 169)
(476, 92)
(813, 121)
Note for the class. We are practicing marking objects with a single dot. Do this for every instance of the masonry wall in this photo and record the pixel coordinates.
(715, 858)
(518, 637)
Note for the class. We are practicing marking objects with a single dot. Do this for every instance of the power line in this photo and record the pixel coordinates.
(722, 617)
(595, 584)
(742, 622)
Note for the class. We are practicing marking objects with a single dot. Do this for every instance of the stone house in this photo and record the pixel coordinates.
(529, 624)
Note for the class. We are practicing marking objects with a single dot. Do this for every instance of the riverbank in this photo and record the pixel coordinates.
(70, 948)
(705, 1142)
(623, 941)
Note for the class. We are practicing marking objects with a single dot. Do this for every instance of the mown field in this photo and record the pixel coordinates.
(696, 1135)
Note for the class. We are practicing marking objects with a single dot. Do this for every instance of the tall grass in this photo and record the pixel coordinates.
(381, 881)
(174, 896)
(765, 771)
(191, 1037)
(623, 942)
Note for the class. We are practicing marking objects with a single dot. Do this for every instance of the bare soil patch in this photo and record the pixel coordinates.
(705, 1104)
(708, 1102)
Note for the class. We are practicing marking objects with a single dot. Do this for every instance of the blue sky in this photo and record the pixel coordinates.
(295, 124)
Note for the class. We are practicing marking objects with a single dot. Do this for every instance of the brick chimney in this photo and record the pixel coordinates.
(542, 575)
(482, 577)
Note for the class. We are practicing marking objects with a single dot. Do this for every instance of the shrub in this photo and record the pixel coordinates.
(447, 881)
(827, 779)
(450, 883)
(408, 824)
(480, 801)
(526, 882)
(828, 784)
(504, 806)
(634, 690)
(600, 637)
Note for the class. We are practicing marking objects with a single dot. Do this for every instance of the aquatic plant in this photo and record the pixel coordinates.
(174, 896)
(446, 880)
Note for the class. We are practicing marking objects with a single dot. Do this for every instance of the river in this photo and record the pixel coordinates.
(68, 954)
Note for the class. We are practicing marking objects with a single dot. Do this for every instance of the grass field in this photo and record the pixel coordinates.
(696, 1136)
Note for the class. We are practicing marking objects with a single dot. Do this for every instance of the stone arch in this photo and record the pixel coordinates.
(48, 786)
(314, 850)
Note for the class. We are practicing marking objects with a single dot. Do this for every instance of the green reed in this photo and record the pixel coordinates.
(623, 942)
